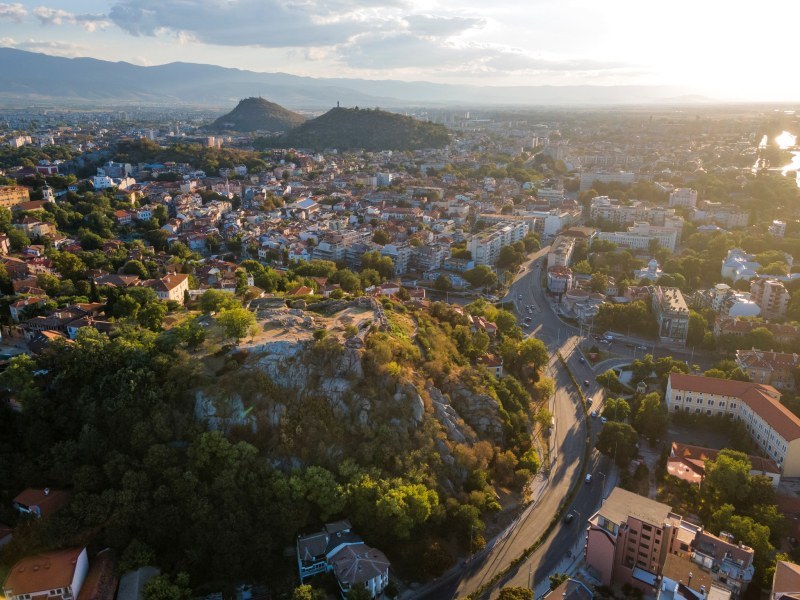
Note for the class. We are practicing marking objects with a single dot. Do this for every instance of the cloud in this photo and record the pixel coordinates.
(263, 23)
(425, 25)
(46, 46)
(57, 16)
(15, 12)
(380, 51)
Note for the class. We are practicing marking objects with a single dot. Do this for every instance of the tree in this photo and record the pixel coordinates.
(306, 592)
(582, 267)
(480, 276)
(161, 587)
(382, 264)
(381, 237)
(237, 322)
(727, 478)
(215, 300)
(135, 267)
(697, 329)
(599, 282)
(515, 593)
(651, 418)
(443, 283)
(619, 441)
(617, 409)
(17, 239)
(349, 281)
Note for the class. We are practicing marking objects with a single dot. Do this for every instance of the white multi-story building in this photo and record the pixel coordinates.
(639, 235)
(486, 245)
(772, 426)
(559, 279)
(561, 251)
(589, 178)
(771, 296)
(739, 265)
(684, 197)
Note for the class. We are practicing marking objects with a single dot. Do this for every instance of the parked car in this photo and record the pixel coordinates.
(580, 358)
(594, 414)
(568, 519)
(585, 383)
(588, 478)
(603, 420)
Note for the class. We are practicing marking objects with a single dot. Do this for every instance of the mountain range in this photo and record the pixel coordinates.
(30, 77)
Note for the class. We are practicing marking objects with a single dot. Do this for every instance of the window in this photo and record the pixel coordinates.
(647, 527)
(697, 411)
(708, 412)
(699, 400)
(711, 402)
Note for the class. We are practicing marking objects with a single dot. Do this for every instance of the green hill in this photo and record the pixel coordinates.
(370, 129)
(257, 114)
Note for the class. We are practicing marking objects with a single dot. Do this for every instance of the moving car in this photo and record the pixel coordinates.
(585, 383)
(594, 414)
(603, 420)
(588, 478)
(568, 519)
(580, 358)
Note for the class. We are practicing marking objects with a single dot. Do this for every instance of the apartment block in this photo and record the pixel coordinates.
(772, 426)
(486, 245)
(771, 296)
(772, 368)
(13, 194)
(639, 236)
(672, 314)
(635, 540)
(786, 581)
(683, 197)
(629, 538)
(561, 251)
(614, 211)
(589, 178)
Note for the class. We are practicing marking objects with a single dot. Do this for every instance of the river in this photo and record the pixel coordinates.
(784, 141)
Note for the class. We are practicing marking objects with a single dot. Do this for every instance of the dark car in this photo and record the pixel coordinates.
(568, 518)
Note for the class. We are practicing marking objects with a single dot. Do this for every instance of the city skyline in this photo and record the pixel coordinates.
(693, 45)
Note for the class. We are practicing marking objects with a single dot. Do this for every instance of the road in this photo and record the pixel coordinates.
(565, 469)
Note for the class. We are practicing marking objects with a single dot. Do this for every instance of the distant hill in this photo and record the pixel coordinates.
(370, 129)
(257, 114)
(33, 77)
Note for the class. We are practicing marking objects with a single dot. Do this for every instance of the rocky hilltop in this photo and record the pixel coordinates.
(370, 129)
(257, 114)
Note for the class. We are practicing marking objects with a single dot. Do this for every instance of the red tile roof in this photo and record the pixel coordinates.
(43, 572)
(762, 399)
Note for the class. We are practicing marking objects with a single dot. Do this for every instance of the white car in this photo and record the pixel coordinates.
(588, 478)
(603, 420)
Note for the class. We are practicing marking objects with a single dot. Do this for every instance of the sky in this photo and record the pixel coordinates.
(725, 49)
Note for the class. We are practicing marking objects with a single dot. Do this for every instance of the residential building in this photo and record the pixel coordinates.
(640, 235)
(559, 279)
(561, 251)
(778, 228)
(614, 211)
(486, 245)
(339, 550)
(773, 368)
(430, 257)
(589, 178)
(400, 253)
(635, 540)
(13, 194)
(671, 313)
(784, 333)
(171, 287)
(688, 462)
(40, 502)
(772, 426)
(629, 538)
(771, 296)
(493, 363)
(52, 575)
(683, 197)
(785, 581)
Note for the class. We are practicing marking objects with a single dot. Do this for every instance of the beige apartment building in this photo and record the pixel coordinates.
(773, 427)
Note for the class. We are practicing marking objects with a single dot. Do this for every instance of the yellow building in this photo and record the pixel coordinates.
(13, 194)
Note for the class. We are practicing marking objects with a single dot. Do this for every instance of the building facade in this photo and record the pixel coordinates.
(772, 426)
(13, 194)
(771, 296)
(486, 245)
(672, 314)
